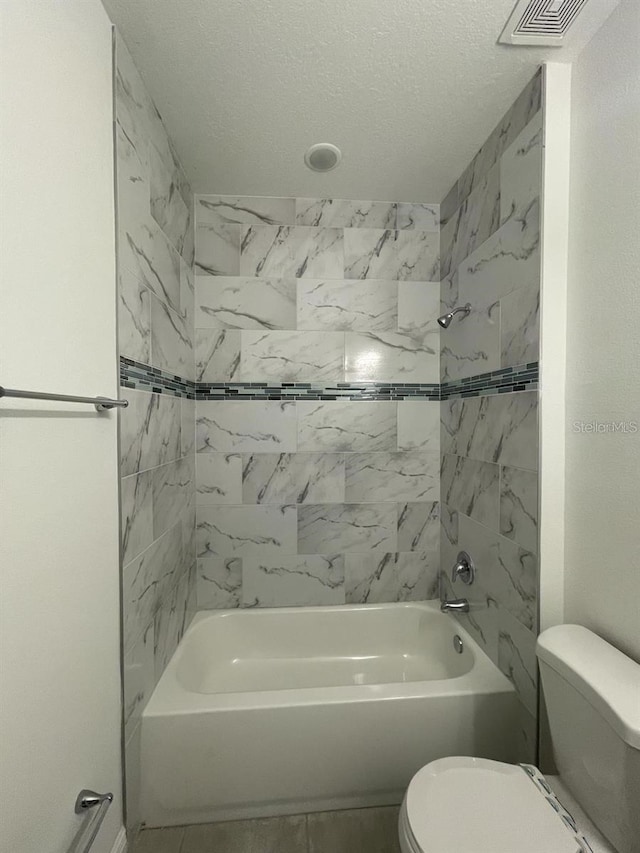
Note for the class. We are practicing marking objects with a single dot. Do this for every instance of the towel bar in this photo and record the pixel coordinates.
(102, 404)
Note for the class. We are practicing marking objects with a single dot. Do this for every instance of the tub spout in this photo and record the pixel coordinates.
(456, 605)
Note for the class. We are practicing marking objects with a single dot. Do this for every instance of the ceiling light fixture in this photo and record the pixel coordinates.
(323, 157)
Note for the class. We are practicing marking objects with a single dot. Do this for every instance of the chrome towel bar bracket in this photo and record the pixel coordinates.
(87, 799)
(85, 802)
(102, 404)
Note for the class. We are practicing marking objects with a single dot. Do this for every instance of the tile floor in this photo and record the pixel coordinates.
(354, 831)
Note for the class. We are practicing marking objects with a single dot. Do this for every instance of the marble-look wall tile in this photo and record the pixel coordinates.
(188, 426)
(419, 527)
(256, 210)
(521, 169)
(187, 294)
(481, 621)
(418, 311)
(156, 320)
(132, 183)
(146, 580)
(219, 583)
(511, 433)
(136, 508)
(418, 425)
(520, 327)
(188, 520)
(218, 478)
(345, 213)
(490, 258)
(189, 245)
(449, 205)
(472, 487)
(519, 506)
(472, 344)
(475, 221)
(146, 253)
(526, 736)
(170, 623)
(134, 108)
(402, 255)
(506, 131)
(342, 528)
(346, 426)
(408, 476)
(297, 331)
(132, 779)
(225, 302)
(245, 531)
(508, 260)
(246, 426)
(349, 305)
(449, 294)
(376, 578)
(450, 525)
(134, 318)
(217, 355)
(150, 431)
(138, 679)
(293, 478)
(501, 428)
(298, 252)
(172, 489)
(390, 356)
(506, 574)
(171, 342)
(293, 581)
(517, 658)
(168, 208)
(421, 217)
(217, 249)
(292, 356)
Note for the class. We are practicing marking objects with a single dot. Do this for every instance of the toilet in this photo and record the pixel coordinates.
(475, 805)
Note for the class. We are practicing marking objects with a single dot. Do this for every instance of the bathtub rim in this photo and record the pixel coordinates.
(171, 698)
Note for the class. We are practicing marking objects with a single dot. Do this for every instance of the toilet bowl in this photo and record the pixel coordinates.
(475, 805)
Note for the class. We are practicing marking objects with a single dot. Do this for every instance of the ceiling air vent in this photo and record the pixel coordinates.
(541, 22)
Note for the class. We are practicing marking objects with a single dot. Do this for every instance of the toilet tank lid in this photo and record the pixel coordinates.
(607, 678)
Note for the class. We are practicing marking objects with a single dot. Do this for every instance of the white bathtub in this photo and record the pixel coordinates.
(264, 712)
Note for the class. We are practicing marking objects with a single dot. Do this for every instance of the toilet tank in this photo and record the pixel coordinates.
(592, 695)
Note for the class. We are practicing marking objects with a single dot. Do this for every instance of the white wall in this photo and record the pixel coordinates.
(602, 518)
(553, 339)
(59, 598)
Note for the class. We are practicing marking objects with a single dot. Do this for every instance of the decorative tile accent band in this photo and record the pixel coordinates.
(133, 374)
(523, 377)
(317, 391)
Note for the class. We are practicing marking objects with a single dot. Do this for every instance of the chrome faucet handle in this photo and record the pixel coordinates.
(455, 605)
(463, 569)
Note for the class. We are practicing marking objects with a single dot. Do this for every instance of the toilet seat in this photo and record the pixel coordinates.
(472, 805)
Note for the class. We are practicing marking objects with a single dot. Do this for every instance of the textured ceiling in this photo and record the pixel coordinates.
(408, 89)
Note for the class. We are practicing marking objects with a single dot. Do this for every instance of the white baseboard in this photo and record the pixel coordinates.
(120, 845)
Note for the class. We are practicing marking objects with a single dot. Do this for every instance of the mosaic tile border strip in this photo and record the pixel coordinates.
(134, 374)
(507, 380)
(317, 391)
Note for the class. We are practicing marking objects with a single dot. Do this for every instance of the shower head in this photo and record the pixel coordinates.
(445, 320)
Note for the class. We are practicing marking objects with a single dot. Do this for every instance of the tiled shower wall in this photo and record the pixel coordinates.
(321, 487)
(490, 241)
(155, 318)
